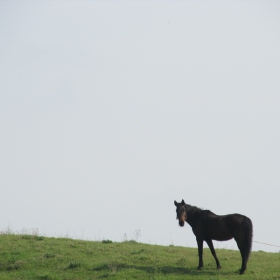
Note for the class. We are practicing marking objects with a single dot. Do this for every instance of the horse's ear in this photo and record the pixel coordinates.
(175, 203)
(183, 202)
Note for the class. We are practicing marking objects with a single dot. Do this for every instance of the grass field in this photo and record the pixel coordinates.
(37, 257)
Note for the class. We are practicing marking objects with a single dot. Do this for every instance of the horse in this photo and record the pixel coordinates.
(208, 226)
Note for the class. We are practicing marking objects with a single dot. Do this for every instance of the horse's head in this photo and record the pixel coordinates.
(181, 212)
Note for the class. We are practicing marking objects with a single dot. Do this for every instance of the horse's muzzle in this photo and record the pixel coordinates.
(181, 223)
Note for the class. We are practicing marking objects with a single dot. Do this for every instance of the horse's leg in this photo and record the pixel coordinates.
(240, 244)
(210, 245)
(200, 252)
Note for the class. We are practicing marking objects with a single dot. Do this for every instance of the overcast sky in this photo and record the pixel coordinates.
(111, 110)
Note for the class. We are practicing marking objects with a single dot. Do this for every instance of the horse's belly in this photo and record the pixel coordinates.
(221, 235)
(222, 238)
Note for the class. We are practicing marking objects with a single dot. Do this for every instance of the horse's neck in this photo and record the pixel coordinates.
(192, 215)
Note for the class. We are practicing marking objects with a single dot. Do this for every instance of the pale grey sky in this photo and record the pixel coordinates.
(110, 110)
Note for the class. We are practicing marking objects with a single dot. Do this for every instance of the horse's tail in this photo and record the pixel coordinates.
(248, 227)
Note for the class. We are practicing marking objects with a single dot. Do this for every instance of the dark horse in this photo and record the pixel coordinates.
(208, 226)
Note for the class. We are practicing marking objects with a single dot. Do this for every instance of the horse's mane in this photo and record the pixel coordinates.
(194, 212)
(192, 209)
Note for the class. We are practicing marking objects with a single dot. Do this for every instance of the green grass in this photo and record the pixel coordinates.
(37, 257)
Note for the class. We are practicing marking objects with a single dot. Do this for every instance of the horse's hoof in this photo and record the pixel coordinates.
(218, 267)
(242, 271)
(199, 268)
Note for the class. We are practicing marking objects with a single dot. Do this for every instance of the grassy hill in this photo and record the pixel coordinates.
(36, 257)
